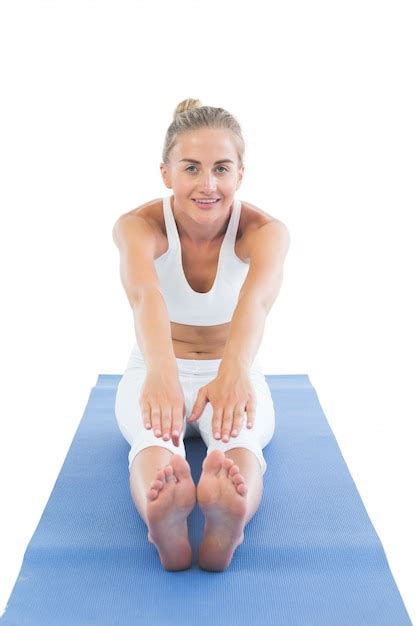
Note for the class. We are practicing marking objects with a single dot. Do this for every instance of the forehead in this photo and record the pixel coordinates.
(206, 144)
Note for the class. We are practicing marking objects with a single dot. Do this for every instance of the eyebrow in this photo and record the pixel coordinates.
(199, 162)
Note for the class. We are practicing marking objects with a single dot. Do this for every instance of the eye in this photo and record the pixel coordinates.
(187, 169)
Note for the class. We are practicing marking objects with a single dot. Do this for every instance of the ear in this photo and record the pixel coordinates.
(166, 175)
(240, 176)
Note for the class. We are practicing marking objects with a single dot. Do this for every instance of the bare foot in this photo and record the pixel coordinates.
(171, 498)
(221, 494)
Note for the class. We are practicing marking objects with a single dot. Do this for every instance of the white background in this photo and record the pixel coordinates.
(326, 96)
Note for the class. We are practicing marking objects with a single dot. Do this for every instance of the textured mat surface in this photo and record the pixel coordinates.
(310, 556)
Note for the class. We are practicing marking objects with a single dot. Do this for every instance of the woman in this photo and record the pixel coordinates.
(201, 271)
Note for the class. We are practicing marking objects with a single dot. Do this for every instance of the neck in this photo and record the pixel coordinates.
(194, 232)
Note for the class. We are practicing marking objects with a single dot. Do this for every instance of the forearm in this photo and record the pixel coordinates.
(246, 331)
(153, 330)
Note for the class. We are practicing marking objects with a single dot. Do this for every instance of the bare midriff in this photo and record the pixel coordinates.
(199, 342)
(200, 267)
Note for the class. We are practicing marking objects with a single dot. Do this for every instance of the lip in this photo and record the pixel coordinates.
(198, 199)
(206, 205)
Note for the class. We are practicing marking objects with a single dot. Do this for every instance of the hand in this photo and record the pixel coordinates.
(162, 405)
(230, 394)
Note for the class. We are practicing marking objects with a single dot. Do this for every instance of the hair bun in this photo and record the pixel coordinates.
(186, 105)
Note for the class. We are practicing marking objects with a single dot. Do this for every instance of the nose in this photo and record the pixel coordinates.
(208, 183)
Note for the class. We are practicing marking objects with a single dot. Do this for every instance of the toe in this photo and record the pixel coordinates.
(169, 473)
(234, 470)
(238, 479)
(240, 484)
(213, 462)
(153, 494)
(181, 467)
(160, 476)
(227, 463)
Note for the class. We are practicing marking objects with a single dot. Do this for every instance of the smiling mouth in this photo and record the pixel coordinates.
(206, 202)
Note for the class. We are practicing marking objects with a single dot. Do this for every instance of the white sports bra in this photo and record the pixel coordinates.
(186, 306)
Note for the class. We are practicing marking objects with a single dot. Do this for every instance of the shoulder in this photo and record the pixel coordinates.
(253, 225)
(147, 217)
(149, 211)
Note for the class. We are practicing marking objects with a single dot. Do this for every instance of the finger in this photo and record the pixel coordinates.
(156, 420)
(217, 422)
(199, 405)
(146, 415)
(166, 422)
(227, 423)
(177, 424)
(237, 420)
(250, 412)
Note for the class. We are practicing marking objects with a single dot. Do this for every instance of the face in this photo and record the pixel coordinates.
(203, 164)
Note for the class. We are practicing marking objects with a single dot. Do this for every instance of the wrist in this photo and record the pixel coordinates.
(163, 364)
(230, 367)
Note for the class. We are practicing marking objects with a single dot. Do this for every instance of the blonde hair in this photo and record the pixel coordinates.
(191, 115)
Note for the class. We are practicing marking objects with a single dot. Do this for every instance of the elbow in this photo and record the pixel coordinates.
(254, 300)
(137, 297)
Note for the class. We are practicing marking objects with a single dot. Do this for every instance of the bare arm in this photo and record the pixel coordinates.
(161, 398)
(136, 241)
(268, 249)
(231, 392)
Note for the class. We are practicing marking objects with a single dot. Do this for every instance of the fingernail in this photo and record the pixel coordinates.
(234, 432)
(225, 438)
(147, 425)
(165, 436)
(175, 433)
(157, 432)
(217, 435)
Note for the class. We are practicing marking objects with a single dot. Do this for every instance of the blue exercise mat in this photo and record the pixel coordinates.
(310, 556)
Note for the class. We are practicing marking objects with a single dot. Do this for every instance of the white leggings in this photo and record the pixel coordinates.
(193, 374)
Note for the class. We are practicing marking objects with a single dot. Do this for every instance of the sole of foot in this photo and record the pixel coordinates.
(170, 499)
(221, 494)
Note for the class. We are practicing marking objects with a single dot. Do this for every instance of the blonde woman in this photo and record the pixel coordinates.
(201, 270)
